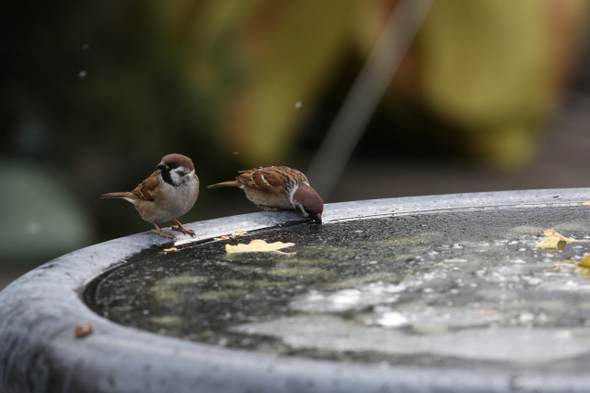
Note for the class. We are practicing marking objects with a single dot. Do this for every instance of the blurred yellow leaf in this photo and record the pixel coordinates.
(259, 245)
(553, 240)
(585, 263)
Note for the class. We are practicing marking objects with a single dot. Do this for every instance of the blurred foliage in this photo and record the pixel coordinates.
(102, 90)
(39, 219)
(217, 77)
(497, 71)
(101, 76)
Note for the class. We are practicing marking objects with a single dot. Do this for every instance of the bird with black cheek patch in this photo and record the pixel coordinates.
(169, 192)
(278, 188)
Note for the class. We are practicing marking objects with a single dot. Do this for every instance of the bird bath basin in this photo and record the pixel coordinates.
(439, 293)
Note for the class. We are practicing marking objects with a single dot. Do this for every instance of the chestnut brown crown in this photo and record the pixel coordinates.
(308, 202)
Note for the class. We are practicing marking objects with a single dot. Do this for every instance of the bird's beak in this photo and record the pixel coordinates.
(162, 165)
(317, 218)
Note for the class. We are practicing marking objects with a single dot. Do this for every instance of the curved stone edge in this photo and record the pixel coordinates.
(39, 311)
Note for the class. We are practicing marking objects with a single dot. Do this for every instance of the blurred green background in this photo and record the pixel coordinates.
(491, 95)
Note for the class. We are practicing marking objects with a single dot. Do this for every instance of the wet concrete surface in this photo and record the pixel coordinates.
(464, 288)
(434, 293)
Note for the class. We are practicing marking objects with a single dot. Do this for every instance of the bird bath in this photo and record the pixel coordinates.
(440, 293)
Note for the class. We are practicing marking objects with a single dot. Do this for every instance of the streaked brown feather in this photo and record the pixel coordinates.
(146, 190)
(231, 183)
(118, 195)
(267, 178)
(259, 180)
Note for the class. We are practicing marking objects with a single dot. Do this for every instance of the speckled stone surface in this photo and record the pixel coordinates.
(39, 312)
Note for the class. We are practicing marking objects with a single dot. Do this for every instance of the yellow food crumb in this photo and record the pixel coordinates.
(259, 245)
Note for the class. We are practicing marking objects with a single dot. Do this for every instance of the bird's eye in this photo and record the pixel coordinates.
(173, 165)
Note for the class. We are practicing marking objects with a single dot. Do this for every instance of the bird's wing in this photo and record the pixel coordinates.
(271, 178)
(147, 190)
(263, 179)
(294, 174)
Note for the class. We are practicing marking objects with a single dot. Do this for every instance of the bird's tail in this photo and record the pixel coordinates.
(118, 195)
(231, 183)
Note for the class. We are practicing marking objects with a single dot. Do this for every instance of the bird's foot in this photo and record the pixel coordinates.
(160, 232)
(268, 208)
(182, 229)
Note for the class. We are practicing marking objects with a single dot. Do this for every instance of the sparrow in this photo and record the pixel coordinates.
(275, 188)
(167, 194)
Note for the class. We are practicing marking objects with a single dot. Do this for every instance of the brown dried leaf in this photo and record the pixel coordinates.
(81, 331)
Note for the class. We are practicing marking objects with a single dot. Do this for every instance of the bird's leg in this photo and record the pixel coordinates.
(182, 229)
(268, 208)
(160, 232)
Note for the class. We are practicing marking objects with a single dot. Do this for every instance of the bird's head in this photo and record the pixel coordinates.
(176, 168)
(308, 202)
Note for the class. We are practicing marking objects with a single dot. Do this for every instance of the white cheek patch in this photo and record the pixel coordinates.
(291, 194)
(301, 210)
(178, 175)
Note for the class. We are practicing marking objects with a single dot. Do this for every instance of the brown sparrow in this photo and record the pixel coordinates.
(167, 194)
(275, 188)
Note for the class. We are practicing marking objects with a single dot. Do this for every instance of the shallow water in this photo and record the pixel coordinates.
(447, 289)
